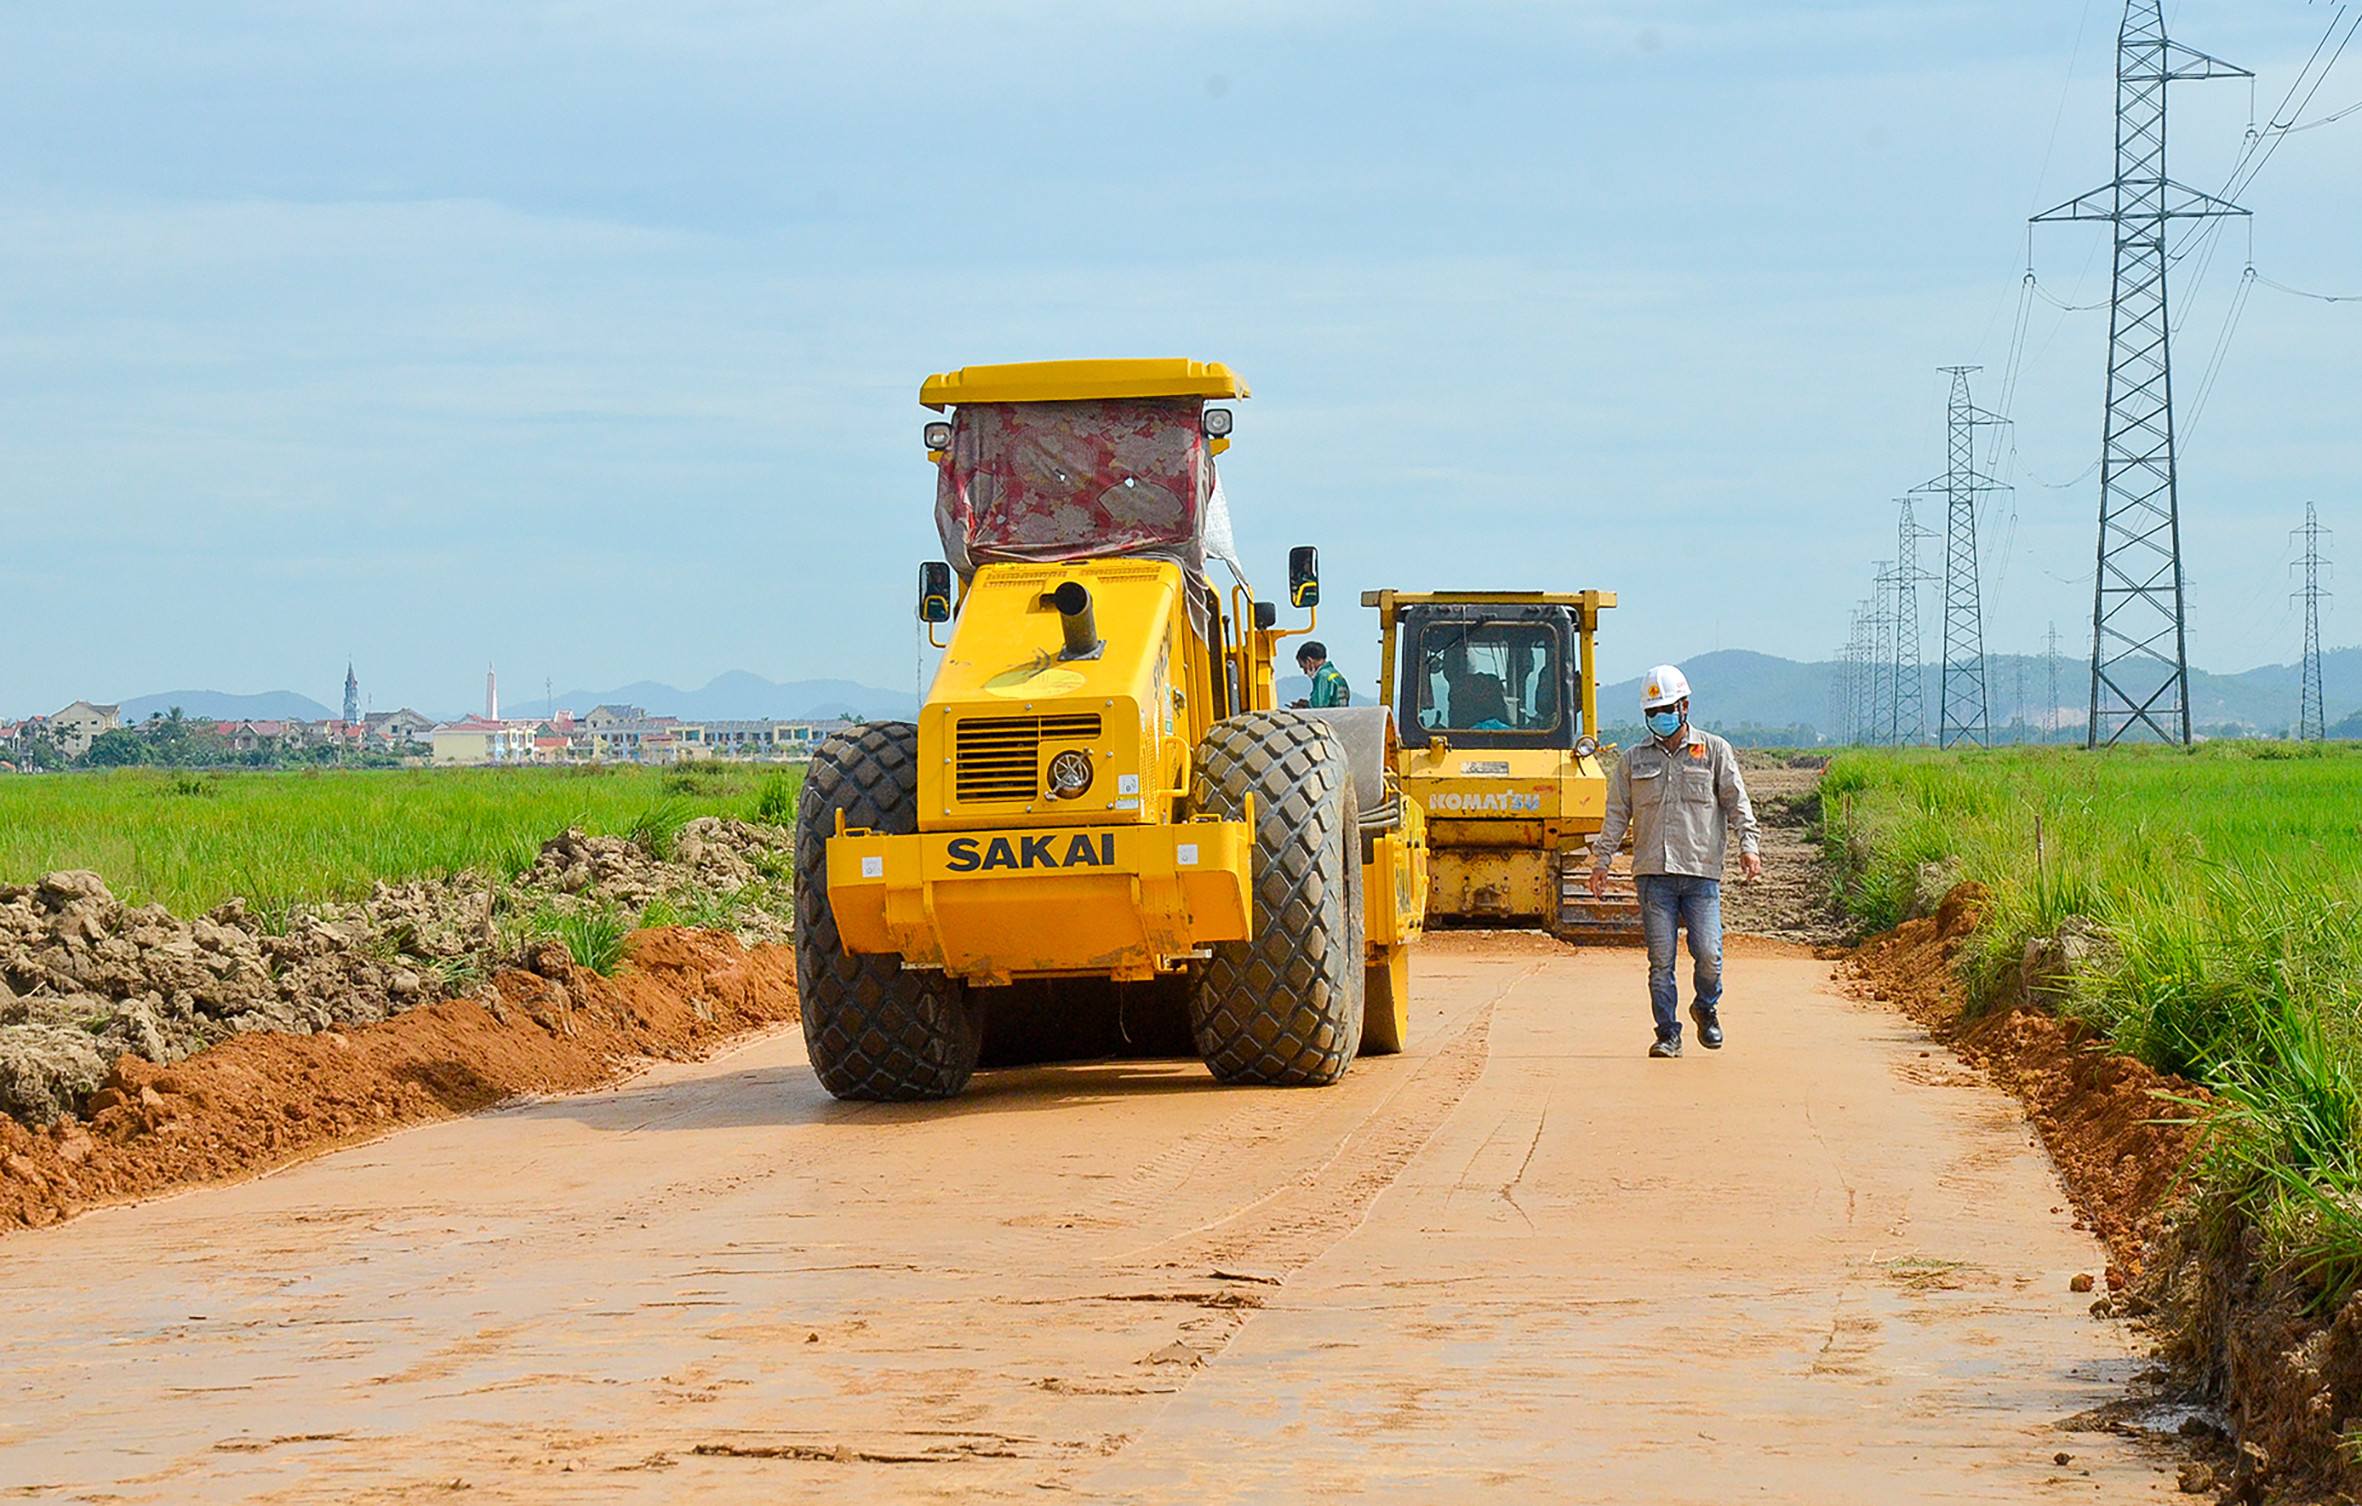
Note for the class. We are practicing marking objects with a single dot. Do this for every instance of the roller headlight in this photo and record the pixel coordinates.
(1586, 746)
(1070, 774)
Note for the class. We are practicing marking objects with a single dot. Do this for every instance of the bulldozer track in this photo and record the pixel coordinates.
(1613, 921)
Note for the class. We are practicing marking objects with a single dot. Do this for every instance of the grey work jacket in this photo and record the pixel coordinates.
(1680, 806)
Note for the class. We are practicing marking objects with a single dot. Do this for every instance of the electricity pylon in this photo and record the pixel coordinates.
(2140, 663)
(1882, 653)
(1963, 713)
(1910, 698)
(2312, 716)
(2050, 658)
(1845, 686)
(1857, 677)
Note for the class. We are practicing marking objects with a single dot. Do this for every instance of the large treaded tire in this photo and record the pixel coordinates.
(1285, 1008)
(873, 1031)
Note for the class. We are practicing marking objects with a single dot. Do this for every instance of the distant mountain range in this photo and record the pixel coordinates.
(220, 706)
(737, 696)
(1735, 688)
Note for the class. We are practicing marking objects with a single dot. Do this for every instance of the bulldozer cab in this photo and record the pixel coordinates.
(1499, 711)
(1499, 677)
(1491, 669)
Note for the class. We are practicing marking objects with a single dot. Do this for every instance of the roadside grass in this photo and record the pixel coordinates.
(2218, 895)
(283, 839)
(594, 937)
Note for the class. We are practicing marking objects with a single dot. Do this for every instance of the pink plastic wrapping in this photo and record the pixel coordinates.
(1043, 482)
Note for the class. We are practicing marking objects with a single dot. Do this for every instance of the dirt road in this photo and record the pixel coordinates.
(1820, 1265)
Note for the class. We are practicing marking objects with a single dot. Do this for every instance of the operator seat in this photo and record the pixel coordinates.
(1477, 698)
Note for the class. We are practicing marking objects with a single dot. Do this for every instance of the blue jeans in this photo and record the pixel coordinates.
(1667, 900)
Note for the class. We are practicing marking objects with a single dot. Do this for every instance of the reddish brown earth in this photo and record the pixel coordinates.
(263, 1100)
(1521, 1261)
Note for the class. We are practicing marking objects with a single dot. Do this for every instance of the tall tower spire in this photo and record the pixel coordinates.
(2140, 662)
(491, 694)
(352, 695)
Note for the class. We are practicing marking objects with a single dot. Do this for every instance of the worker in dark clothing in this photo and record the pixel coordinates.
(1478, 703)
(1328, 686)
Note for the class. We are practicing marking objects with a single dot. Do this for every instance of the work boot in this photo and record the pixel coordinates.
(1709, 1023)
(1668, 1044)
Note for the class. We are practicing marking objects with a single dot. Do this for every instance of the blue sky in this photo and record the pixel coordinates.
(586, 337)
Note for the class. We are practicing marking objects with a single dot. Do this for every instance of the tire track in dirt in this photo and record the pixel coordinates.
(1294, 1223)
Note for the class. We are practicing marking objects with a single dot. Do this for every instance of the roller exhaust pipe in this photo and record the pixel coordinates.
(1073, 601)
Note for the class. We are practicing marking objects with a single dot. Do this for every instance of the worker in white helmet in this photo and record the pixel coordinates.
(1679, 793)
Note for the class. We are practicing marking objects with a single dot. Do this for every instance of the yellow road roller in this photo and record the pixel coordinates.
(1100, 787)
(1499, 711)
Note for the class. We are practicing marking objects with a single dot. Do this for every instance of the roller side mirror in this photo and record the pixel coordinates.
(1304, 576)
(934, 592)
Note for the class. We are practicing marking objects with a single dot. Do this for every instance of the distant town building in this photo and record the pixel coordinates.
(263, 736)
(73, 728)
(749, 739)
(485, 740)
(352, 696)
(627, 733)
(393, 731)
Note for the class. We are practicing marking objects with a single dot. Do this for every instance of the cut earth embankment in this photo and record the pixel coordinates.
(2157, 951)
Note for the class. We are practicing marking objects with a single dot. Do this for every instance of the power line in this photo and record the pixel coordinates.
(2311, 125)
(2301, 293)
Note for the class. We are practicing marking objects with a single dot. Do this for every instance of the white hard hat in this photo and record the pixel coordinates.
(1663, 686)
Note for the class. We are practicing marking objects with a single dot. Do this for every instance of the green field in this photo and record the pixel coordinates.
(2226, 885)
(191, 841)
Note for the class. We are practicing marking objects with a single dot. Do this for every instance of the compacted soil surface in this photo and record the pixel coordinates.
(1824, 1264)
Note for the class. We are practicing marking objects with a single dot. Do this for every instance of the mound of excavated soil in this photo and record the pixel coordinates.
(85, 977)
(2097, 1110)
(265, 1098)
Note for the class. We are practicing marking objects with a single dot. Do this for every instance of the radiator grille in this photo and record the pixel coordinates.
(1000, 757)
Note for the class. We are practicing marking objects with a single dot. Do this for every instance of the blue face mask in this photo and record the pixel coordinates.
(1664, 723)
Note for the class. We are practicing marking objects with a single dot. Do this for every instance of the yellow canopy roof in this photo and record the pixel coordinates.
(1070, 381)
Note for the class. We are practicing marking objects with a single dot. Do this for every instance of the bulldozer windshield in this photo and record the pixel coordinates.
(1488, 677)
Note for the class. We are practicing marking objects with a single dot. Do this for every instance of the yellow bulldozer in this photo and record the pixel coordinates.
(1499, 711)
(1100, 790)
